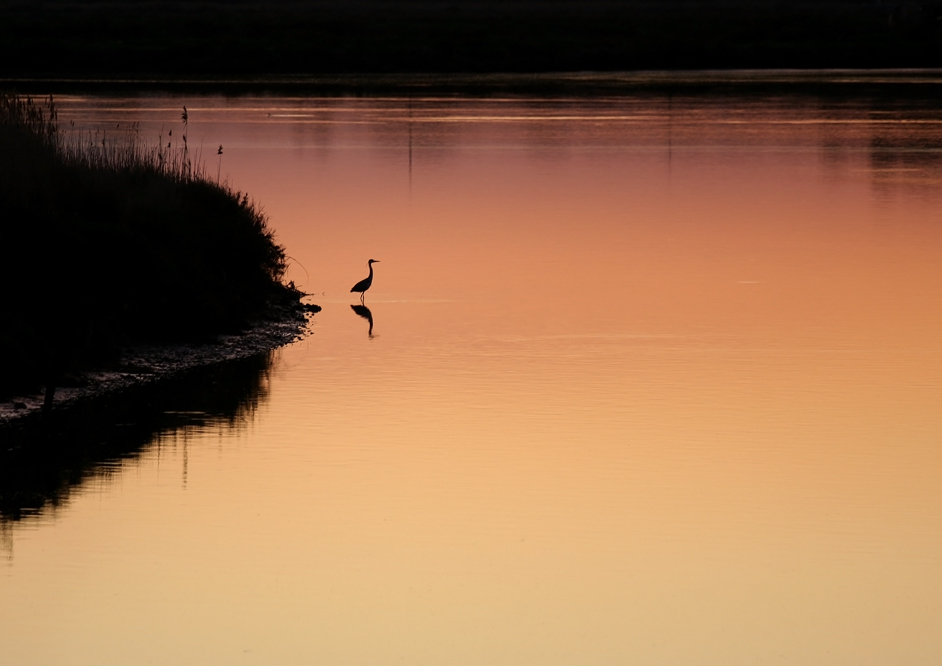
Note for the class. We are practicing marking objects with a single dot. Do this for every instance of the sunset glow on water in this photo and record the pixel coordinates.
(651, 380)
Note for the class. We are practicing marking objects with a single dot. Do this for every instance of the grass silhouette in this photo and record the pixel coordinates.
(109, 240)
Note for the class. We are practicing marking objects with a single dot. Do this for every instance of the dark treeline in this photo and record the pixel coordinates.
(245, 38)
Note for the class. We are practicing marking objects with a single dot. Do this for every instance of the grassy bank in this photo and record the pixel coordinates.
(106, 241)
(249, 38)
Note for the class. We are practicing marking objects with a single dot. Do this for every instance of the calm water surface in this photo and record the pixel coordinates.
(651, 380)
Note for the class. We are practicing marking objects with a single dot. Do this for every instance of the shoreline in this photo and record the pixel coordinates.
(919, 81)
(144, 365)
(73, 37)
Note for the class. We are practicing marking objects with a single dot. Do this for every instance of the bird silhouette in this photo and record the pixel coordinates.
(363, 285)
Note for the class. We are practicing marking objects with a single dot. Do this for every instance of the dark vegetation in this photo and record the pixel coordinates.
(106, 242)
(241, 38)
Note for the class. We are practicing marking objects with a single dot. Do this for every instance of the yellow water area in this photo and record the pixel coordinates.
(651, 380)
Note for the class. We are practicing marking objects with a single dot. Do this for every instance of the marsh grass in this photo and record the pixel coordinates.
(106, 239)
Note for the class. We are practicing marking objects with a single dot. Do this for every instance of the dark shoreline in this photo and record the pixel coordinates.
(903, 82)
(216, 37)
(144, 365)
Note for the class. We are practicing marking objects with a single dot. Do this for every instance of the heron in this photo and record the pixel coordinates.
(365, 284)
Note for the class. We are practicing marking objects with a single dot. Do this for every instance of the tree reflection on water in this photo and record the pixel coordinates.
(43, 462)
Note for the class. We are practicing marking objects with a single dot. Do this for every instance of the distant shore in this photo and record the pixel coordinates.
(246, 38)
(921, 82)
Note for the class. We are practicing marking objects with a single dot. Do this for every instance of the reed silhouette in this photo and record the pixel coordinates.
(106, 239)
(364, 312)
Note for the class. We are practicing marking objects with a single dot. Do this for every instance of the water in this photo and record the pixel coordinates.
(650, 380)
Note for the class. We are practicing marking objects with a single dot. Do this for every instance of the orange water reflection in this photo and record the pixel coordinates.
(650, 380)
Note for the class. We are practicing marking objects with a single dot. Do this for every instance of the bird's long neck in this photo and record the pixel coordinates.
(370, 277)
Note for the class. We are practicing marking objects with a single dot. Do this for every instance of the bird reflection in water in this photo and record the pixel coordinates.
(364, 312)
